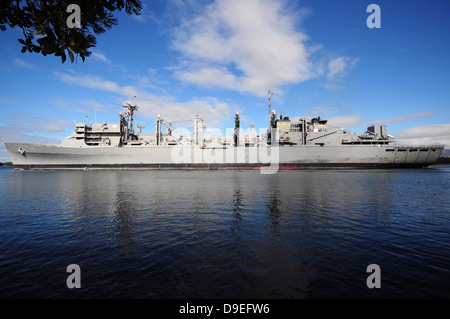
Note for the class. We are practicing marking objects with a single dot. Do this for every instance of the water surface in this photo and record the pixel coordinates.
(225, 234)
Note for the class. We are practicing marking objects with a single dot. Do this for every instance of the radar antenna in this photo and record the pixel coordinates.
(127, 119)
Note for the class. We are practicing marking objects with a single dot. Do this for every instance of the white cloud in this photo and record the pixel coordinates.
(60, 102)
(408, 117)
(356, 119)
(96, 82)
(332, 86)
(340, 66)
(84, 106)
(92, 104)
(15, 125)
(426, 134)
(101, 57)
(10, 101)
(97, 56)
(150, 80)
(247, 45)
(335, 70)
(211, 77)
(212, 110)
(25, 128)
(346, 120)
(23, 64)
(323, 110)
(250, 46)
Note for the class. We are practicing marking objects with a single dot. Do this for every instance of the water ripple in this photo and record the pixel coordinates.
(225, 234)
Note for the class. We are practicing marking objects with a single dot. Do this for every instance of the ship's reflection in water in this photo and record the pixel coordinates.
(230, 234)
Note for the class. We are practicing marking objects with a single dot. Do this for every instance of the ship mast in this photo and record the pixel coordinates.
(126, 120)
(270, 104)
(269, 128)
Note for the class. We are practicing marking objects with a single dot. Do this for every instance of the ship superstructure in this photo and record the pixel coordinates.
(288, 143)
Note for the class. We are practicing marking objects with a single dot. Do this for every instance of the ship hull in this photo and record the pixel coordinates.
(306, 166)
(37, 156)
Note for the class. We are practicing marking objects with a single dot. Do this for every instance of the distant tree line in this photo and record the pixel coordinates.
(443, 160)
(6, 164)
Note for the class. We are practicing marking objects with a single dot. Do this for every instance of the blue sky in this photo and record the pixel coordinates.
(216, 57)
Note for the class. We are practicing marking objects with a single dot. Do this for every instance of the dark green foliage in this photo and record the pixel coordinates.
(6, 164)
(44, 24)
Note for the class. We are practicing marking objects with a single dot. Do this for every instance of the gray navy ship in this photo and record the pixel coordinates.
(289, 143)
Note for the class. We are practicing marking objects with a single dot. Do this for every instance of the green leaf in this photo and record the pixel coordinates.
(70, 55)
(46, 23)
(41, 41)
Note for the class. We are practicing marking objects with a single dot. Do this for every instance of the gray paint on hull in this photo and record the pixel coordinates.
(35, 156)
